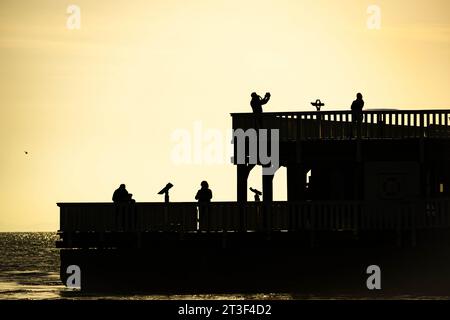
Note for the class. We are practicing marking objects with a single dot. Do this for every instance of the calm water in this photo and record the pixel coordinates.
(29, 269)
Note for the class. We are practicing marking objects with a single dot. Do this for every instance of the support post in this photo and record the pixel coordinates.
(296, 182)
(243, 170)
(268, 188)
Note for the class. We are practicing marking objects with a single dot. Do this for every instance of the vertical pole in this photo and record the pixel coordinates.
(299, 137)
(296, 182)
(267, 188)
(267, 181)
(243, 171)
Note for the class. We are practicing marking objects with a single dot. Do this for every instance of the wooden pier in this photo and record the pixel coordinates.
(375, 191)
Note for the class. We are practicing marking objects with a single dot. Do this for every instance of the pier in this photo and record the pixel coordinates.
(376, 190)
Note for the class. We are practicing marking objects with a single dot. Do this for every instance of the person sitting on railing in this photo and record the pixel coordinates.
(204, 196)
(257, 102)
(121, 195)
(357, 107)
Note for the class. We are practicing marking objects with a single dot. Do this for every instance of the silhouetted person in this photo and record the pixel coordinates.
(121, 195)
(204, 196)
(357, 107)
(257, 102)
(125, 216)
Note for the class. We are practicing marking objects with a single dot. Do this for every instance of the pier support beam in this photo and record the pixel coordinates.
(267, 188)
(243, 170)
(296, 182)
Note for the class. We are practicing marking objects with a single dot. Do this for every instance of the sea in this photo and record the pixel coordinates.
(29, 270)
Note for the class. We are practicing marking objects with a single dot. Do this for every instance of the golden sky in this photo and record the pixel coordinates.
(98, 106)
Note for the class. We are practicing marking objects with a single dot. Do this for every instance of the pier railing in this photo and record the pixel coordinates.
(253, 216)
(386, 124)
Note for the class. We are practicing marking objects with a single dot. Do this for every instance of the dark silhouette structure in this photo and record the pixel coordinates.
(381, 198)
(121, 195)
(165, 192)
(257, 194)
(318, 104)
(257, 102)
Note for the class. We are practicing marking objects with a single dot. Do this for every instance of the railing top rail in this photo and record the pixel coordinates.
(324, 202)
(393, 111)
(194, 203)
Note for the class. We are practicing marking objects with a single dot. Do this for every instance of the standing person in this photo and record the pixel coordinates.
(204, 196)
(257, 102)
(357, 115)
(357, 107)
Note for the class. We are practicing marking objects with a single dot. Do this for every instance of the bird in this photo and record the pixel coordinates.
(26, 152)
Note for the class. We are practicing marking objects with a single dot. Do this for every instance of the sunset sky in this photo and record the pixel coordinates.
(98, 106)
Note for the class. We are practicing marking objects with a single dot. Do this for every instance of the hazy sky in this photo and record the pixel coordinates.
(99, 106)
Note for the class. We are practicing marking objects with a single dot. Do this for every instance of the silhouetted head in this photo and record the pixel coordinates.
(359, 96)
(204, 184)
(122, 186)
(254, 95)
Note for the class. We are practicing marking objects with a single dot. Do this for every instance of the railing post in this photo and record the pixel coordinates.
(166, 217)
(421, 139)
(412, 211)
(446, 125)
(312, 235)
(298, 142)
(319, 122)
(359, 215)
(399, 227)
